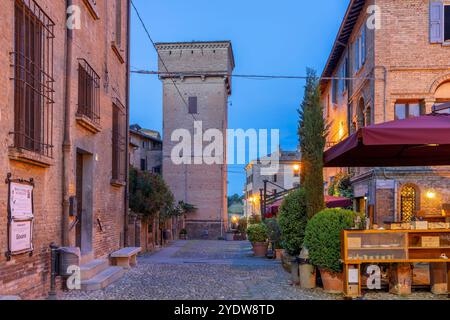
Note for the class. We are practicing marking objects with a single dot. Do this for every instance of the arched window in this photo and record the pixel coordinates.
(408, 202)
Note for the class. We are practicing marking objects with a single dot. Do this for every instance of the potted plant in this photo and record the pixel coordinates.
(183, 234)
(323, 240)
(257, 234)
(242, 229)
(274, 234)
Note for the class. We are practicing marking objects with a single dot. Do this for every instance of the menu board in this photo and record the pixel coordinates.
(21, 201)
(21, 217)
(21, 236)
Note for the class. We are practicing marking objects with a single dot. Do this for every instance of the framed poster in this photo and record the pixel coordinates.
(21, 236)
(20, 216)
(21, 201)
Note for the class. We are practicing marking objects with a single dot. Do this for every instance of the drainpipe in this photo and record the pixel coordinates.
(127, 134)
(67, 137)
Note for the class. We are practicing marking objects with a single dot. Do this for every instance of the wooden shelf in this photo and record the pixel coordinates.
(429, 248)
(378, 248)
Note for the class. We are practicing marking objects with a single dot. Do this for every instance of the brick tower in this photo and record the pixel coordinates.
(201, 72)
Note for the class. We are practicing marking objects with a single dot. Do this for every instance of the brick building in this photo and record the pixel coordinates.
(64, 123)
(201, 72)
(393, 67)
(145, 149)
(286, 178)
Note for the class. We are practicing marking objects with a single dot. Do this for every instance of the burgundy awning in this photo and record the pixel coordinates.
(420, 141)
(337, 202)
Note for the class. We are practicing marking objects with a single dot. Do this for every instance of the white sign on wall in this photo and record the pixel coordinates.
(21, 201)
(21, 236)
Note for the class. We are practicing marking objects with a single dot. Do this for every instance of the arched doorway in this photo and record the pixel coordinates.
(408, 202)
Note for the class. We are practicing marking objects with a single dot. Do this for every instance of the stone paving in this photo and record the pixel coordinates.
(211, 270)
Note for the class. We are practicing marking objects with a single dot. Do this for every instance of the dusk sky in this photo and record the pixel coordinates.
(268, 37)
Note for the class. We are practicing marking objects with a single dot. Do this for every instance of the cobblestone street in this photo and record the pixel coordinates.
(211, 270)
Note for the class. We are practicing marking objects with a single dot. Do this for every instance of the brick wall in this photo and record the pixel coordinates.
(29, 276)
(202, 185)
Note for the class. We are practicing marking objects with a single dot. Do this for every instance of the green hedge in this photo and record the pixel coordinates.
(292, 220)
(257, 233)
(323, 237)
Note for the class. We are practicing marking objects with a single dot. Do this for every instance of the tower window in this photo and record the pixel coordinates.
(193, 105)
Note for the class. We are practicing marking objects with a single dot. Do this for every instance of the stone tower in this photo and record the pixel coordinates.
(201, 72)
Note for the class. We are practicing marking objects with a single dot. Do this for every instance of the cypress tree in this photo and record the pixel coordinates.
(312, 134)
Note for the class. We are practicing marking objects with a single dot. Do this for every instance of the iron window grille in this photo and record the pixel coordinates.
(32, 63)
(118, 142)
(88, 92)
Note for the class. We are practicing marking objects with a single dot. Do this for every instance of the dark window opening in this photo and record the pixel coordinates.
(408, 110)
(193, 105)
(143, 164)
(33, 78)
(447, 23)
(157, 170)
(88, 92)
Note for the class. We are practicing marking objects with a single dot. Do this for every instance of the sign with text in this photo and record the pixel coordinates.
(21, 201)
(21, 236)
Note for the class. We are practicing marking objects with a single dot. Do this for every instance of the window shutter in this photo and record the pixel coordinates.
(436, 22)
(363, 45)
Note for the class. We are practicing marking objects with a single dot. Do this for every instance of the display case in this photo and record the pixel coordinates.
(391, 246)
(395, 246)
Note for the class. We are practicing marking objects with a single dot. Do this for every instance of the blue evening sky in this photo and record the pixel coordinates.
(268, 37)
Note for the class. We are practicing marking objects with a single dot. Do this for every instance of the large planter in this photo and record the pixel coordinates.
(279, 254)
(332, 282)
(183, 236)
(230, 236)
(260, 249)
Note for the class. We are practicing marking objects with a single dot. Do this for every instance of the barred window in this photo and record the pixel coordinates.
(88, 92)
(33, 78)
(118, 142)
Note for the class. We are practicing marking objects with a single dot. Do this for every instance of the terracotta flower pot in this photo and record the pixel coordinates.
(332, 282)
(260, 249)
(279, 254)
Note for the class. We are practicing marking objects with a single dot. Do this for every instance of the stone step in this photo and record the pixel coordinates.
(92, 268)
(103, 279)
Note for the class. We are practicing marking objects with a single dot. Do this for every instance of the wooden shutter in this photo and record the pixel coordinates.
(363, 45)
(119, 23)
(436, 22)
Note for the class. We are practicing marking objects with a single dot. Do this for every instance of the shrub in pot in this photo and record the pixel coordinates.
(292, 221)
(323, 240)
(183, 234)
(274, 234)
(257, 235)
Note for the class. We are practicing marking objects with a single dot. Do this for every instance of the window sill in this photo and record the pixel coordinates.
(92, 8)
(117, 52)
(118, 183)
(87, 123)
(29, 157)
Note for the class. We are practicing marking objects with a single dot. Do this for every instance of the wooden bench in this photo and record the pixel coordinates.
(126, 257)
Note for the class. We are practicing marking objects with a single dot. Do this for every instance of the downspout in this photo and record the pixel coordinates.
(67, 138)
(127, 134)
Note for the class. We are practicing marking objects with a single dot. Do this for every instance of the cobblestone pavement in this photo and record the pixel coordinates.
(212, 270)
